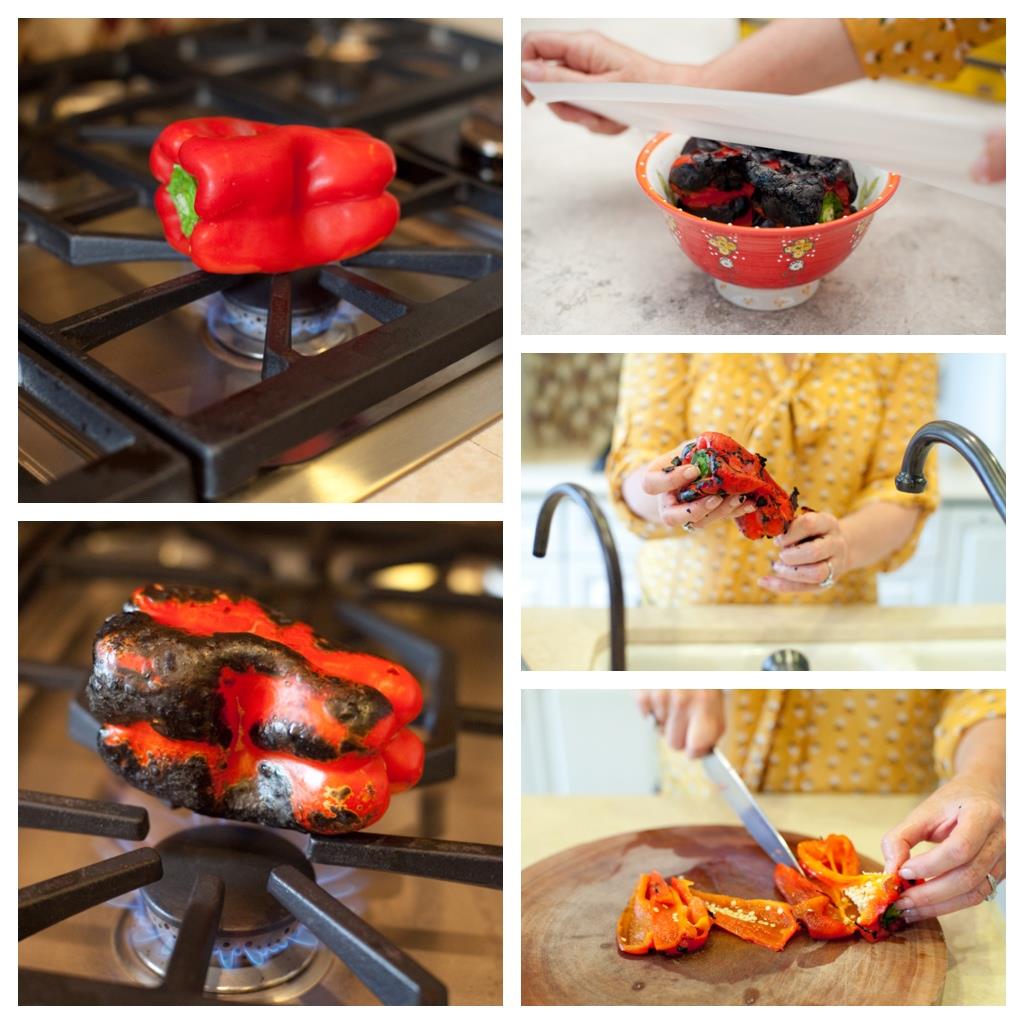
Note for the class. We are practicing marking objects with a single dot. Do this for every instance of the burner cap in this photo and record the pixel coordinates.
(308, 295)
(258, 945)
(236, 319)
(243, 858)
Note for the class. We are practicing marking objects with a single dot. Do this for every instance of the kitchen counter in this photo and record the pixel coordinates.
(975, 938)
(572, 639)
(597, 258)
(445, 447)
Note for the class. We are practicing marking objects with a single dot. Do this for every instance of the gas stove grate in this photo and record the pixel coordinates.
(391, 974)
(416, 346)
(125, 459)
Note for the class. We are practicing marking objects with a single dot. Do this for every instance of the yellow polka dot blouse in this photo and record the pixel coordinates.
(832, 425)
(840, 741)
(926, 49)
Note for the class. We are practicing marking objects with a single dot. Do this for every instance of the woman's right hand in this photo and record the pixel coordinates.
(692, 720)
(590, 57)
(665, 487)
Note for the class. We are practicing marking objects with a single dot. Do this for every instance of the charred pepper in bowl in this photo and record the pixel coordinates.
(751, 186)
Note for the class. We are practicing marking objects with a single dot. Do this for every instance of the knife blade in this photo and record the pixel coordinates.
(739, 798)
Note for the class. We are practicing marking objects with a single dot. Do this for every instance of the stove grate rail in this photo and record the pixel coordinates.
(298, 397)
(121, 457)
(388, 971)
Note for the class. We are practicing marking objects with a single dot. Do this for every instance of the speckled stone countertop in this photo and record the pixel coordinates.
(598, 259)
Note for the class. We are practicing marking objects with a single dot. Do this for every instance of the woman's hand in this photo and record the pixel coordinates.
(965, 817)
(991, 164)
(591, 57)
(691, 720)
(665, 488)
(813, 553)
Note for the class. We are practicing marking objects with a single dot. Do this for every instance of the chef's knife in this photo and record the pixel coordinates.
(732, 787)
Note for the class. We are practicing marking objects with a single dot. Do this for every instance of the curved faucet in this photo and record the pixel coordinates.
(911, 479)
(616, 602)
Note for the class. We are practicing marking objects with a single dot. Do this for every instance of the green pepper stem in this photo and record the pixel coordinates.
(182, 190)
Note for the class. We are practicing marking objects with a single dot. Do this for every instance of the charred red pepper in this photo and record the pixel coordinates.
(242, 197)
(662, 916)
(812, 907)
(767, 923)
(219, 704)
(863, 899)
(749, 185)
(728, 468)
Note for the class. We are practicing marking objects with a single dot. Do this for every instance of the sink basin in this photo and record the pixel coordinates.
(855, 637)
(930, 655)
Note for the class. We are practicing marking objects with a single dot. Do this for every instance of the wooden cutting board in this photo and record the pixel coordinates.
(572, 901)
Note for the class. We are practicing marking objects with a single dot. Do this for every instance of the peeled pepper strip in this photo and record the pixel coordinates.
(696, 914)
(811, 905)
(662, 916)
(635, 931)
(767, 923)
(864, 897)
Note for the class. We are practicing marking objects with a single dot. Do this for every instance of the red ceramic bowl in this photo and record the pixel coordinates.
(762, 268)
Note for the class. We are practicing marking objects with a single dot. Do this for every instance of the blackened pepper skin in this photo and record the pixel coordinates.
(216, 703)
(732, 183)
(727, 468)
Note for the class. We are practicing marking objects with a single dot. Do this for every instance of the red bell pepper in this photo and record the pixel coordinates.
(863, 898)
(664, 916)
(727, 468)
(217, 703)
(242, 197)
(767, 923)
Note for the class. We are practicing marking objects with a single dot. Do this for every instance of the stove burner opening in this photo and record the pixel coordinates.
(237, 317)
(258, 944)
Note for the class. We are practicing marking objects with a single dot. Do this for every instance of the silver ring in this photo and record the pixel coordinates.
(689, 527)
(993, 883)
(829, 580)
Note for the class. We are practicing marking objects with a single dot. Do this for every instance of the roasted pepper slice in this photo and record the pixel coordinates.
(696, 914)
(812, 907)
(662, 916)
(767, 923)
(217, 703)
(635, 931)
(863, 897)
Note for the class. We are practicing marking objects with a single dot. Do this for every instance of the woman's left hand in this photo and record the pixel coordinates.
(813, 554)
(965, 818)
